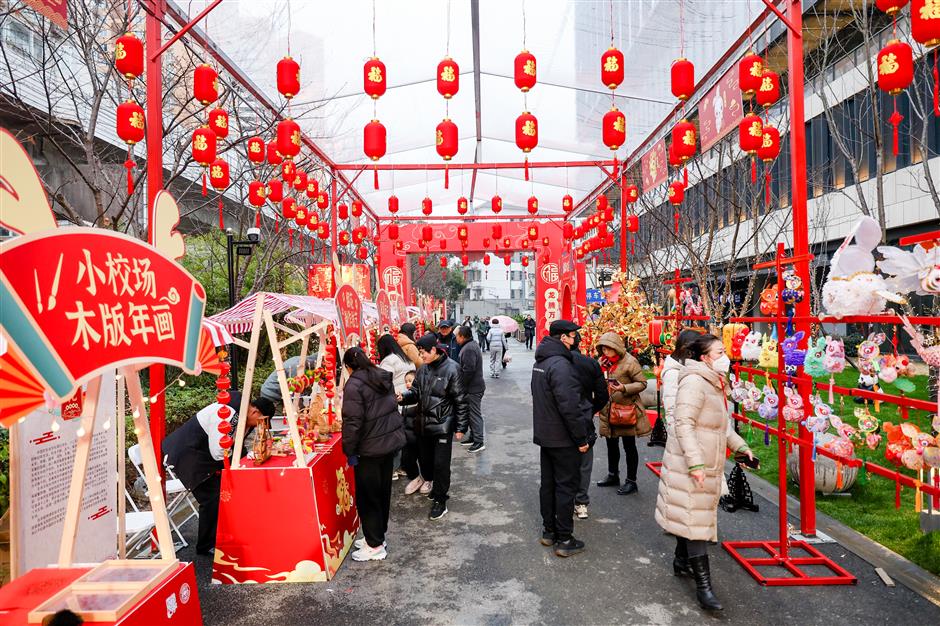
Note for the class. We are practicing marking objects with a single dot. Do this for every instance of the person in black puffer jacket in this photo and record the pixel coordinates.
(372, 433)
(442, 404)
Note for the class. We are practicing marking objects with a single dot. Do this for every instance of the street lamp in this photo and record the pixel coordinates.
(242, 248)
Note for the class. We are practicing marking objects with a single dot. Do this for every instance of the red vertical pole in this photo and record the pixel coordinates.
(800, 241)
(623, 225)
(333, 226)
(154, 86)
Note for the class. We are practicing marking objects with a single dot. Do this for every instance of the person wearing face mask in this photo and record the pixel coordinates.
(690, 483)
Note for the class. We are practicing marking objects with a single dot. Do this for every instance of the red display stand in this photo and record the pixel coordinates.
(279, 523)
(173, 601)
(790, 560)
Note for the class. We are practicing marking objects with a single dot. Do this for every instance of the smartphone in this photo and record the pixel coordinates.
(746, 460)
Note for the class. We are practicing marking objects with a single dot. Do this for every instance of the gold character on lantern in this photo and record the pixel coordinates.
(119, 51)
(262, 193)
(672, 192)
(254, 147)
(448, 74)
(216, 171)
(930, 10)
(200, 142)
(566, 203)
(136, 120)
(375, 74)
(755, 129)
(768, 141)
(528, 128)
(757, 68)
(440, 137)
(620, 124)
(611, 64)
(215, 84)
(311, 186)
(766, 84)
(295, 138)
(535, 204)
(221, 121)
(689, 138)
(529, 68)
(633, 194)
(889, 64)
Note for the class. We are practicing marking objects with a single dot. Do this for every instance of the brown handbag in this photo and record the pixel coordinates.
(622, 414)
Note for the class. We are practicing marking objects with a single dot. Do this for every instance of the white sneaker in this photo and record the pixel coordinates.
(366, 553)
(358, 544)
(414, 485)
(426, 487)
(581, 510)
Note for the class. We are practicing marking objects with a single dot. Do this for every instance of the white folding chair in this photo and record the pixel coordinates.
(138, 528)
(177, 495)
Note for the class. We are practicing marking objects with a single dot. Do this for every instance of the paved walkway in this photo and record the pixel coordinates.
(482, 564)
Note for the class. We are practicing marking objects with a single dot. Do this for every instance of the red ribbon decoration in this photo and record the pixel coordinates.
(129, 166)
(221, 218)
(375, 177)
(204, 192)
(767, 186)
(527, 168)
(685, 177)
(895, 119)
(257, 219)
(753, 171)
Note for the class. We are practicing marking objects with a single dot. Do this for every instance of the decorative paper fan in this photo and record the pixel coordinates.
(20, 391)
(208, 357)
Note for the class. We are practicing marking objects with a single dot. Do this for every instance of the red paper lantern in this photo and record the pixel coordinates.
(205, 84)
(342, 211)
(532, 232)
(533, 205)
(289, 208)
(323, 230)
(426, 206)
(683, 78)
(129, 56)
(374, 140)
(443, 262)
(676, 192)
(683, 140)
(218, 122)
(275, 190)
(895, 67)
(614, 127)
(255, 149)
(462, 233)
(462, 205)
(674, 159)
(288, 138)
(527, 132)
(507, 242)
(313, 219)
(496, 203)
(288, 77)
(750, 133)
(393, 204)
(925, 22)
(257, 193)
(632, 193)
(448, 78)
(300, 216)
(323, 200)
(130, 122)
(421, 260)
(612, 68)
(486, 259)
(770, 144)
(274, 157)
(507, 259)
(567, 231)
(393, 232)
(362, 253)
(373, 78)
(442, 243)
(890, 6)
(769, 91)
(524, 71)
(300, 180)
(358, 235)
(525, 261)
(608, 216)
(497, 231)
(313, 188)
(203, 146)
(356, 208)
(633, 223)
(446, 139)
(343, 238)
(750, 73)
(464, 260)
(567, 203)
(427, 233)
(288, 172)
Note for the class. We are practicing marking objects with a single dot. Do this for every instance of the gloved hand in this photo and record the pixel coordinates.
(353, 460)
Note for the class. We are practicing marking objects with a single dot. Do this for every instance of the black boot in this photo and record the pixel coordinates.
(628, 488)
(703, 583)
(681, 567)
(612, 480)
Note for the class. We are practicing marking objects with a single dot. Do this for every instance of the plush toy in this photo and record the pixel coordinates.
(868, 427)
(793, 289)
(750, 348)
(813, 364)
(869, 352)
(768, 408)
(769, 302)
(818, 422)
(738, 390)
(793, 409)
(768, 352)
(793, 357)
(752, 400)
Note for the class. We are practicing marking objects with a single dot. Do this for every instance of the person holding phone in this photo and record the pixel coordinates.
(690, 483)
(624, 418)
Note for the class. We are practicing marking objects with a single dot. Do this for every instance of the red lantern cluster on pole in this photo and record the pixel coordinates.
(612, 68)
(682, 74)
(448, 78)
(750, 73)
(288, 77)
(205, 84)
(524, 71)
(204, 150)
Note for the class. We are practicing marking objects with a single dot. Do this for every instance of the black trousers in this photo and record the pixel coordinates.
(484, 344)
(374, 496)
(435, 454)
(207, 495)
(475, 417)
(561, 476)
(690, 547)
(613, 456)
(409, 460)
(529, 338)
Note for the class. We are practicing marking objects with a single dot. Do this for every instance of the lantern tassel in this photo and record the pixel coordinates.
(290, 238)
(753, 171)
(375, 178)
(526, 168)
(685, 177)
(277, 225)
(895, 119)
(446, 177)
(767, 187)
(205, 192)
(257, 219)
(675, 218)
(129, 166)
(936, 86)
(632, 245)
(616, 167)
(221, 217)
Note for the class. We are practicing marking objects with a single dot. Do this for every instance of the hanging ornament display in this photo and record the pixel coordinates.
(524, 71)
(255, 150)
(462, 205)
(614, 127)
(426, 205)
(769, 91)
(682, 74)
(612, 67)
(496, 203)
(532, 205)
(373, 78)
(288, 77)
(567, 203)
(448, 78)
(288, 138)
(257, 193)
(130, 128)
(750, 73)
(374, 140)
(218, 122)
(274, 157)
(300, 181)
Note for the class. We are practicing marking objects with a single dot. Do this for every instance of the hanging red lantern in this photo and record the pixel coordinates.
(683, 140)
(444, 262)
(289, 208)
(769, 91)
(374, 139)
(427, 233)
(890, 6)
(525, 261)
(633, 223)
(288, 138)
(300, 217)
(300, 181)
(358, 235)
(612, 68)
(323, 200)
(343, 238)
(524, 71)
(342, 211)
(274, 157)
(129, 56)
(442, 243)
(567, 203)
(393, 204)
(313, 219)
(218, 122)
(602, 204)
(205, 84)
(567, 231)
(608, 215)
(614, 127)
(426, 206)
(393, 232)
(204, 142)
(532, 205)
(462, 205)
(507, 259)
(486, 242)
(676, 192)
(257, 193)
(464, 260)
(373, 78)
(421, 260)
(527, 132)
(750, 133)
(288, 77)
(532, 232)
(275, 190)
(255, 148)
(356, 208)
(486, 259)
(323, 230)
(770, 144)
(288, 172)
(497, 231)
(462, 233)
(632, 193)
(448, 78)
(446, 139)
(895, 67)
(674, 160)
(313, 188)
(682, 74)
(362, 253)
(507, 242)
(750, 73)
(496, 203)
(130, 123)
(925, 23)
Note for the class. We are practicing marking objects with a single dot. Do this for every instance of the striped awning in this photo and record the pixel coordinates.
(300, 310)
(218, 332)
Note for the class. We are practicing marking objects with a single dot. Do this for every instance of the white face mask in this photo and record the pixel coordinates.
(722, 364)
